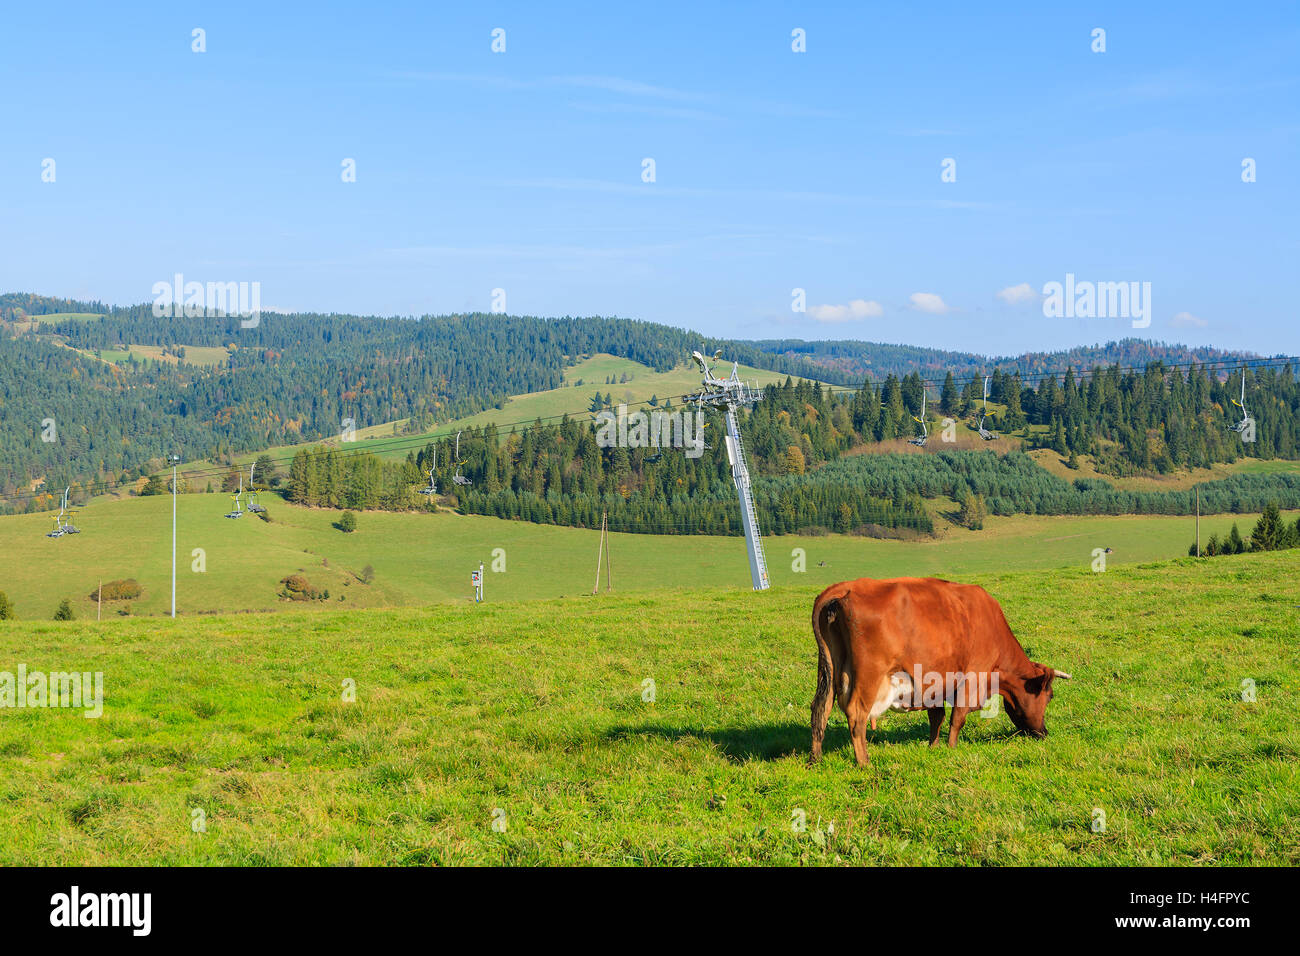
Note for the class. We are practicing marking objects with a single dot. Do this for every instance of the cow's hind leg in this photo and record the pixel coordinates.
(936, 721)
(859, 720)
(867, 701)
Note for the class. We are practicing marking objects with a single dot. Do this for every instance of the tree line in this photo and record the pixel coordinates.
(1271, 533)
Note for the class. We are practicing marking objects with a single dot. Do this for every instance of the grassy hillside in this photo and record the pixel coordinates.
(533, 715)
(53, 318)
(423, 558)
(573, 399)
(1179, 480)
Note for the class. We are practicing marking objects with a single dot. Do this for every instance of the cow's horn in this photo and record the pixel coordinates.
(1061, 674)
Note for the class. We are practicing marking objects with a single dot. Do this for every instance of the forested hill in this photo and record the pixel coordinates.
(852, 361)
(291, 378)
(75, 408)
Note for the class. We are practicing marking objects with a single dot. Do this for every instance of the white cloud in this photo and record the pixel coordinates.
(929, 302)
(1018, 294)
(857, 309)
(1185, 320)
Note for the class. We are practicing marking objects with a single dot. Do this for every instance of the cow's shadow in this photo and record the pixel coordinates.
(776, 741)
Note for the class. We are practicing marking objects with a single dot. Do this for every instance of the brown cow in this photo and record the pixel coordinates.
(920, 644)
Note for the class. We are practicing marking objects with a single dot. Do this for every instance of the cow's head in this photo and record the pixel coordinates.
(1026, 698)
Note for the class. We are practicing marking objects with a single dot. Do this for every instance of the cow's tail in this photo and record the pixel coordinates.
(828, 627)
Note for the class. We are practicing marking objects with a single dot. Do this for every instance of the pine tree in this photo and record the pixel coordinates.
(1264, 537)
(794, 461)
(948, 398)
(1235, 545)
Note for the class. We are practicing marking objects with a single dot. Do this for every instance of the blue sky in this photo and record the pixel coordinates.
(774, 170)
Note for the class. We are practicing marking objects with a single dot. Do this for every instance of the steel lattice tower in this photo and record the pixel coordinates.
(730, 394)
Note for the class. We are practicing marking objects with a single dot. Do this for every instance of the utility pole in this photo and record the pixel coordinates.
(602, 550)
(175, 460)
(600, 553)
(730, 394)
(1198, 521)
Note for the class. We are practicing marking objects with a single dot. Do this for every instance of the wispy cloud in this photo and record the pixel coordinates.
(857, 309)
(621, 86)
(928, 302)
(1185, 320)
(609, 84)
(1176, 84)
(647, 109)
(661, 189)
(1018, 294)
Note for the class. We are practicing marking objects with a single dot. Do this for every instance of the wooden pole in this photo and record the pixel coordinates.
(1198, 521)
(600, 550)
(609, 578)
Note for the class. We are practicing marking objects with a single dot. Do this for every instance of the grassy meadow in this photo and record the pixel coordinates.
(227, 739)
(422, 558)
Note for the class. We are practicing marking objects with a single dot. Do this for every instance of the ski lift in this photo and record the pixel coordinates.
(62, 527)
(253, 506)
(433, 487)
(458, 478)
(68, 528)
(237, 512)
(984, 432)
(920, 439)
(1247, 424)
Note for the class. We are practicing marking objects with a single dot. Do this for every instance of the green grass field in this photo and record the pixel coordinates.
(194, 354)
(420, 558)
(227, 740)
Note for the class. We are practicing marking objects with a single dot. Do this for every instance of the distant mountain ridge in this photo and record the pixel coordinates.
(843, 362)
(855, 360)
(299, 377)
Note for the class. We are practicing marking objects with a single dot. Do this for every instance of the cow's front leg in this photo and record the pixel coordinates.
(936, 721)
(955, 725)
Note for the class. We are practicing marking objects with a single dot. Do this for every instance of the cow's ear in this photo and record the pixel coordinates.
(1040, 682)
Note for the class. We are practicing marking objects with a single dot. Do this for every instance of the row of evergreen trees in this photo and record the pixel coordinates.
(1271, 533)
(558, 474)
